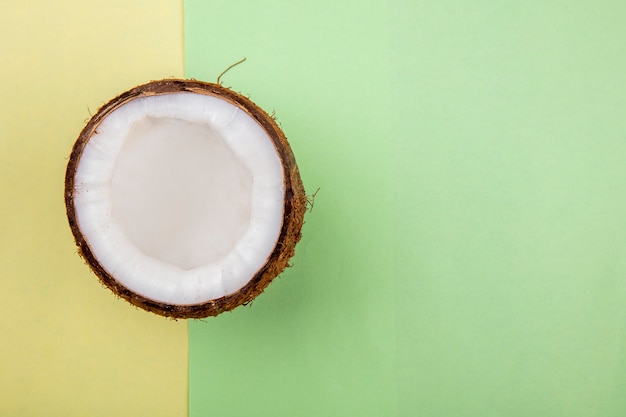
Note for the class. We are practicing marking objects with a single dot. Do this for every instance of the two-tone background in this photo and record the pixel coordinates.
(466, 255)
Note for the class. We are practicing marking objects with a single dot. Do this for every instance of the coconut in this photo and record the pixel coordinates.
(184, 198)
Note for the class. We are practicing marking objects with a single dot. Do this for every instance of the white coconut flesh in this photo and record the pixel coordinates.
(180, 197)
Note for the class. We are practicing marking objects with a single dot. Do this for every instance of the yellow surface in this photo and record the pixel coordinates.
(68, 346)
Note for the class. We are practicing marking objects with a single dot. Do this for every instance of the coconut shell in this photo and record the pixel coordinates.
(293, 212)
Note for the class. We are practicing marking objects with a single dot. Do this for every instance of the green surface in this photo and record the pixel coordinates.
(466, 255)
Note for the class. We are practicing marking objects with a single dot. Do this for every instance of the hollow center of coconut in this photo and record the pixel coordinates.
(180, 193)
(180, 197)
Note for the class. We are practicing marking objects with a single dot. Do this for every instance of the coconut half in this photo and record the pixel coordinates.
(184, 198)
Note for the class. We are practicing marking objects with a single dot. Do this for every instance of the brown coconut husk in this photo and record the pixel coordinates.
(295, 202)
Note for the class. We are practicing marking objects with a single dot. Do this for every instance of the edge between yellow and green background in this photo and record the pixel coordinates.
(466, 255)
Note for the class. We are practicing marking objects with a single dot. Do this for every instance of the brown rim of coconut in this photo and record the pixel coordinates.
(294, 203)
